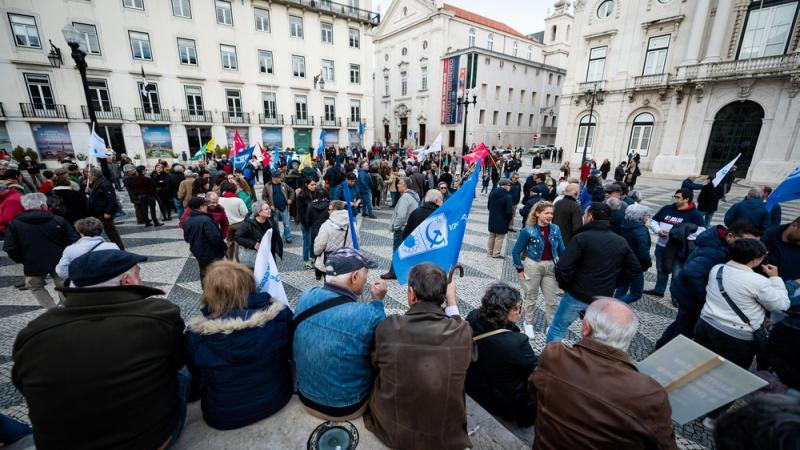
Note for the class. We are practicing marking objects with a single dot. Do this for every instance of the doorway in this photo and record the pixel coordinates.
(403, 130)
(735, 130)
(197, 137)
(451, 138)
(421, 134)
(112, 134)
(386, 134)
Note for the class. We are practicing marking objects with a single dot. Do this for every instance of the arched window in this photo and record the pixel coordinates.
(530, 52)
(515, 49)
(606, 9)
(471, 37)
(553, 33)
(490, 42)
(641, 134)
(586, 129)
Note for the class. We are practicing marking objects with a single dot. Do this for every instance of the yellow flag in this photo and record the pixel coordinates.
(306, 161)
(210, 145)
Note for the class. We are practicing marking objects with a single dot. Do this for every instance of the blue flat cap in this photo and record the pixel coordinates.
(101, 265)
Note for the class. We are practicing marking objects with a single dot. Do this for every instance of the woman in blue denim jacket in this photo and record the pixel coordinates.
(540, 243)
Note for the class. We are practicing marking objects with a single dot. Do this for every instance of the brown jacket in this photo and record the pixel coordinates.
(592, 396)
(418, 398)
(185, 191)
(266, 193)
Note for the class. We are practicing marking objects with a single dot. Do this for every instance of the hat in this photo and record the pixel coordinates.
(196, 202)
(101, 265)
(613, 187)
(189, 174)
(60, 171)
(505, 182)
(347, 260)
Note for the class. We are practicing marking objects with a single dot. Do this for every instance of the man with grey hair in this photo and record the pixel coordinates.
(37, 238)
(630, 411)
(751, 209)
(103, 204)
(634, 230)
(408, 202)
(91, 231)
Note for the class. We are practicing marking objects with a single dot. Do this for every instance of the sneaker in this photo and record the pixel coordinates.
(307, 265)
(654, 293)
(389, 276)
(529, 330)
(709, 423)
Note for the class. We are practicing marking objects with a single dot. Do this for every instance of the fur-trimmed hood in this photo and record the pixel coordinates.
(236, 321)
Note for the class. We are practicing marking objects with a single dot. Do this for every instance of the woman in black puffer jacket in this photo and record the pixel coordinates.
(317, 212)
(249, 234)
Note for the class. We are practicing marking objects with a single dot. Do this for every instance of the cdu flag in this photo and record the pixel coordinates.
(438, 239)
(241, 158)
(97, 145)
(724, 171)
(265, 271)
(789, 189)
(351, 218)
(321, 145)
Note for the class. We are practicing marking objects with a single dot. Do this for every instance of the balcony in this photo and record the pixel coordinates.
(335, 122)
(159, 116)
(658, 80)
(270, 120)
(590, 86)
(302, 120)
(113, 114)
(240, 117)
(354, 123)
(744, 68)
(196, 116)
(43, 111)
(336, 9)
(549, 130)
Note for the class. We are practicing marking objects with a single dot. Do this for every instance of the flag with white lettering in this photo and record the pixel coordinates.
(724, 171)
(265, 271)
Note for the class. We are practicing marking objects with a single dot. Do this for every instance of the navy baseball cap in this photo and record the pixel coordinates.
(346, 260)
(101, 265)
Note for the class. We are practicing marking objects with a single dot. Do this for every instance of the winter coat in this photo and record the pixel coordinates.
(616, 219)
(596, 261)
(619, 173)
(406, 204)
(102, 198)
(417, 217)
(638, 238)
(316, 215)
(338, 193)
(691, 185)
(251, 232)
(241, 362)
(302, 200)
(10, 207)
(185, 191)
(143, 185)
(36, 239)
(79, 248)
(74, 203)
(782, 254)
(418, 184)
(784, 353)
(678, 245)
(500, 211)
(163, 184)
(266, 193)
(567, 214)
(498, 379)
(749, 210)
(205, 241)
(334, 177)
(516, 191)
(689, 285)
(708, 199)
(235, 209)
(333, 235)
(364, 182)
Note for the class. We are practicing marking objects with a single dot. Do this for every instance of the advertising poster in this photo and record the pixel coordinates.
(52, 140)
(272, 138)
(157, 142)
(445, 97)
(230, 132)
(331, 138)
(302, 139)
(453, 93)
(462, 83)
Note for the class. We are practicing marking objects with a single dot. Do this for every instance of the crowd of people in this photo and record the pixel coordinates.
(584, 243)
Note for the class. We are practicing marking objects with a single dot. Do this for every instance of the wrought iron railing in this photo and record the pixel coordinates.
(338, 9)
(115, 113)
(239, 117)
(161, 116)
(188, 115)
(43, 110)
(270, 120)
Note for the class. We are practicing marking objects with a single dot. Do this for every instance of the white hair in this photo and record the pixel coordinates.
(432, 195)
(612, 322)
(636, 212)
(116, 281)
(36, 200)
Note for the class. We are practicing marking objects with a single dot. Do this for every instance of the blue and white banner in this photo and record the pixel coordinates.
(724, 171)
(351, 214)
(240, 159)
(265, 271)
(789, 189)
(97, 146)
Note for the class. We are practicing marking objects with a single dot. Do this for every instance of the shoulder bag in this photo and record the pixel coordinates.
(760, 335)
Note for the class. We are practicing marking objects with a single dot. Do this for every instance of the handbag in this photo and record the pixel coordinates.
(247, 256)
(760, 335)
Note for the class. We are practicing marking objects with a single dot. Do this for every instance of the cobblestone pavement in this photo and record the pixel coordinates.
(171, 268)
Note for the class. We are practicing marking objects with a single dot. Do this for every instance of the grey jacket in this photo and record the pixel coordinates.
(407, 203)
(80, 247)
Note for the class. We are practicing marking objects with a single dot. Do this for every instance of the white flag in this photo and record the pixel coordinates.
(436, 146)
(266, 271)
(724, 171)
(97, 146)
(420, 154)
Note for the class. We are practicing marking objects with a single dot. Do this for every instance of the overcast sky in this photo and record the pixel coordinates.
(525, 16)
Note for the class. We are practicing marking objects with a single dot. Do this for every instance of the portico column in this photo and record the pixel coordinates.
(718, 31)
(696, 32)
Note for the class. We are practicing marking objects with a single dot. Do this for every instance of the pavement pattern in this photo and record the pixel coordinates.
(171, 268)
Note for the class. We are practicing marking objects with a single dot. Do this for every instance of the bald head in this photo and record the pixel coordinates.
(572, 190)
(213, 197)
(610, 322)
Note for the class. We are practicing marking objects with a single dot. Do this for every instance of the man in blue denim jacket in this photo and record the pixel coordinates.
(332, 347)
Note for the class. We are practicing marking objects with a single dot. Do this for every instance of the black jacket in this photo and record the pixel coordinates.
(37, 239)
(596, 261)
(250, 232)
(417, 217)
(516, 192)
(316, 215)
(708, 199)
(163, 183)
(500, 211)
(101, 371)
(678, 245)
(102, 198)
(619, 173)
(74, 203)
(205, 240)
(302, 200)
(498, 380)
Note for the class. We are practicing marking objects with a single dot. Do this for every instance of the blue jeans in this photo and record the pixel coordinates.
(178, 206)
(568, 310)
(283, 216)
(184, 387)
(366, 204)
(395, 197)
(307, 251)
(707, 218)
(663, 278)
(12, 430)
(397, 239)
(635, 286)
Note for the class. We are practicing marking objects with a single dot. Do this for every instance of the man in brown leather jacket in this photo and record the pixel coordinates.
(592, 396)
(417, 401)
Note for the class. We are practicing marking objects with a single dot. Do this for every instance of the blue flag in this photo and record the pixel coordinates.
(321, 145)
(241, 158)
(789, 189)
(276, 158)
(438, 239)
(347, 199)
(360, 128)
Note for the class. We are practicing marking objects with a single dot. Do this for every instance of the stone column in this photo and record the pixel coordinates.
(718, 31)
(696, 32)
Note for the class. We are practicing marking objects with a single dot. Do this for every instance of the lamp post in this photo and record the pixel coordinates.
(594, 94)
(75, 42)
(465, 102)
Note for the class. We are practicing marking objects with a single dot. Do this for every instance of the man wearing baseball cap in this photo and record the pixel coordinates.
(334, 335)
(106, 370)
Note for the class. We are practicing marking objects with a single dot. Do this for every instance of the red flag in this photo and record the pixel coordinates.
(238, 144)
(479, 153)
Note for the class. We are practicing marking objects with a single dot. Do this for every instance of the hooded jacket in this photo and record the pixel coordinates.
(37, 239)
(688, 287)
(501, 210)
(102, 198)
(333, 235)
(407, 203)
(751, 210)
(241, 362)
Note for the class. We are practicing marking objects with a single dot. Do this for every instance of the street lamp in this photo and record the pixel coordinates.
(55, 56)
(465, 102)
(319, 79)
(595, 94)
(75, 41)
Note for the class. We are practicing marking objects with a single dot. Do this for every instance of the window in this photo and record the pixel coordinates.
(555, 100)
(471, 39)
(299, 66)
(481, 115)
(768, 29)
(354, 38)
(386, 85)
(533, 98)
(606, 9)
(515, 48)
(98, 95)
(656, 55)
(553, 122)
(133, 4)
(25, 32)
(89, 36)
(194, 100)
(510, 94)
(403, 83)
(327, 32)
(265, 62)
(224, 13)
(508, 118)
(597, 62)
(329, 105)
(519, 119)
(296, 27)
(490, 42)
(404, 51)
(233, 99)
(355, 74)
(270, 107)
(187, 52)
(39, 90)
(497, 92)
(328, 70)
(150, 101)
(300, 107)
(140, 45)
(494, 118)
(228, 55)
(586, 134)
(424, 79)
(522, 96)
(181, 8)
(550, 78)
(530, 120)
(355, 111)
(262, 19)
(641, 134)
(530, 52)
(553, 32)
(547, 100)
